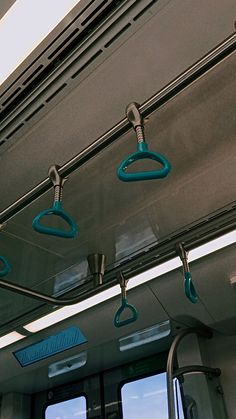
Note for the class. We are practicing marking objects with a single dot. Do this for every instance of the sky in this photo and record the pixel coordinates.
(141, 399)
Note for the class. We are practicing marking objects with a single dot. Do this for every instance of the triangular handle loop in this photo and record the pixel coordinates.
(189, 288)
(124, 307)
(57, 210)
(135, 118)
(6, 267)
(143, 153)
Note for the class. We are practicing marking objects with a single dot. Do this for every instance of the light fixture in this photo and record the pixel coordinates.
(24, 27)
(10, 338)
(142, 337)
(212, 246)
(68, 311)
(67, 365)
(152, 273)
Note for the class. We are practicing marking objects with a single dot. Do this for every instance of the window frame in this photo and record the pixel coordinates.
(137, 377)
(61, 399)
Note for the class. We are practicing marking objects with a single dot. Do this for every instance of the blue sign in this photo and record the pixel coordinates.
(55, 344)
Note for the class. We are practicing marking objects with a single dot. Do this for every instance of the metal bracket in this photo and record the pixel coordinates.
(123, 286)
(97, 263)
(56, 209)
(189, 288)
(183, 255)
(57, 181)
(125, 306)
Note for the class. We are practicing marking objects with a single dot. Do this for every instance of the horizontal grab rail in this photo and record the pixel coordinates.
(152, 104)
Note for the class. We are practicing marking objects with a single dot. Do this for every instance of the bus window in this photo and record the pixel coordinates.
(68, 409)
(147, 398)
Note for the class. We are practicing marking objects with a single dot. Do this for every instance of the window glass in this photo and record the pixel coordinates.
(147, 398)
(70, 409)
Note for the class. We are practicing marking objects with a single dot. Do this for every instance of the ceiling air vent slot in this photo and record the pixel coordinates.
(14, 131)
(17, 79)
(144, 10)
(87, 63)
(70, 47)
(32, 74)
(61, 52)
(117, 35)
(2, 142)
(93, 12)
(23, 94)
(84, 10)
(34, 113)
(68, 55)
(71, 35)
(56, 92)
(11, 96)
(62, 45)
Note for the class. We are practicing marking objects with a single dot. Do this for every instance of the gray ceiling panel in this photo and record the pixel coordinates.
(217, 297)
(196, 133)
(164, 47)
(170, 291)
(212, 277)
(102, 348)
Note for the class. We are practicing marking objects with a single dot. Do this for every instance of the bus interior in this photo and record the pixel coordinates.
(118, 298)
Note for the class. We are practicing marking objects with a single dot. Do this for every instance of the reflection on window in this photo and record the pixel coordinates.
(147, 398)
(70, 409)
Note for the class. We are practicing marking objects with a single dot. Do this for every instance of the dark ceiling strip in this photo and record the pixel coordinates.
(163, 96)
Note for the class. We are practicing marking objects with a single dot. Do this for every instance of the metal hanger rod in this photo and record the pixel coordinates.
(202, 66)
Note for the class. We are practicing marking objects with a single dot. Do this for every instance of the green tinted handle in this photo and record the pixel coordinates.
(143, 153)
(6, 267)
(189, 288)
(59, 211)
(133, 311)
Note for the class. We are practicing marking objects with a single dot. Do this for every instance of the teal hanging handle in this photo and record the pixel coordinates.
(125, 306)
(189, 288)
(135, 118)
(57, 210)
(6, 267)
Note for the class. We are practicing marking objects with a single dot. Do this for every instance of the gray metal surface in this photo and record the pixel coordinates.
(143, 64)
(5, 6)
(112, 218)
(196, 131)
(205, 64)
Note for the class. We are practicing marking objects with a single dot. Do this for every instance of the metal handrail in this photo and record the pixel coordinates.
(206, 333)
(202, 66)
(216, 372)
